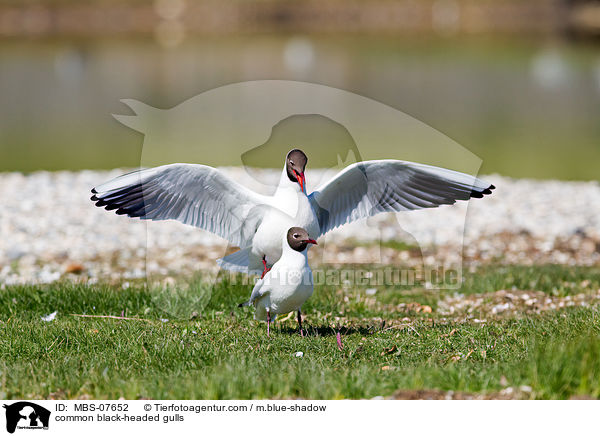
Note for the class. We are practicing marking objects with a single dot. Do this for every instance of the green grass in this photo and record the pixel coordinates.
(222, 353)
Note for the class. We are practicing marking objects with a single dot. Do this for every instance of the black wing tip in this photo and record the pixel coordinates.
(480, 194)
(98, 202)
(118, 201)
(119, 210)
(107, 205)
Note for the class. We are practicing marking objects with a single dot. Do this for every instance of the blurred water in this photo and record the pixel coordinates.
(527, 108)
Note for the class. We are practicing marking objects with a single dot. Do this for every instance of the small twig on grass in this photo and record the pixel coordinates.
(413, 329)
(288, 316)
(112, 317)
(53, 343)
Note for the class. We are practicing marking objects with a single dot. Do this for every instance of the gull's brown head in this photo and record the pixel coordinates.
(295, 164)
(298, 239)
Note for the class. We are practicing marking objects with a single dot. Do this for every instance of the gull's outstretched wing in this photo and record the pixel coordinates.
(366, 188)
(197, 195)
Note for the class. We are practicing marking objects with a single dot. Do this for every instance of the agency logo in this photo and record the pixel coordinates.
(26, 415)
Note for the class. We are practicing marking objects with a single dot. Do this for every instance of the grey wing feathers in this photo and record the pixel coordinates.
(197, 195)
(367, 188)
(258, 291)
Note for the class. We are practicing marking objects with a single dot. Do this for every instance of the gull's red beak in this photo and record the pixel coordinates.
(301, 179)
(311, 241)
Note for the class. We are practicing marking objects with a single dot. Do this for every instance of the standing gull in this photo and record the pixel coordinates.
(288, 284)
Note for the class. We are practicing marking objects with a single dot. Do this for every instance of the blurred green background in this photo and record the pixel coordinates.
(517, 83)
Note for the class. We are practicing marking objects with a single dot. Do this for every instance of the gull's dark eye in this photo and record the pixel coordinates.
(296, 235)
(292, 162)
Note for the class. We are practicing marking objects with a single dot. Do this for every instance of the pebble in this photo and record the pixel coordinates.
(50, 317)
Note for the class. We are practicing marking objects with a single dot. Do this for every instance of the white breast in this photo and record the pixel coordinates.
(289, 284)
(294, 210)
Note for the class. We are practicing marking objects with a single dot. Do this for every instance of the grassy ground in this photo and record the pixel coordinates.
(222, 353)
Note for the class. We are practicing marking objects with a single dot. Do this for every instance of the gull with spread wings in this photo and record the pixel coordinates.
(204, 197)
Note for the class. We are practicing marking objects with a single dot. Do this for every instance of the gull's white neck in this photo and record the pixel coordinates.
(289, 199)
(286, 185)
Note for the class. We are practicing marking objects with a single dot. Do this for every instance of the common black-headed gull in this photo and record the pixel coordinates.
(288, 284)
(202, 196)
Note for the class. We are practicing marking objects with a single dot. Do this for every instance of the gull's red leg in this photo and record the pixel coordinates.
(265, 269)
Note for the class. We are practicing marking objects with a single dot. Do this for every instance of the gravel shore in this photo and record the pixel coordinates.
(51, 230)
